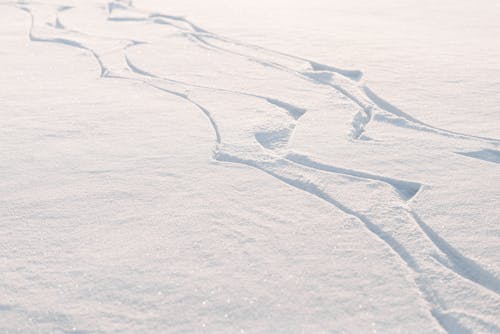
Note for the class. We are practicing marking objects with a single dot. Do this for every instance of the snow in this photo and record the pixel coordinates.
(263, 167)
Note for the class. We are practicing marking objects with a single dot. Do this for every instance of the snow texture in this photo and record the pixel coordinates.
(162, 173)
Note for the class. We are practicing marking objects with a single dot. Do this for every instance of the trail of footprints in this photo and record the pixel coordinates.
(382, 203)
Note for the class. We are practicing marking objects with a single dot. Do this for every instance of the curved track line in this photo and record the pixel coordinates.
(406, 189)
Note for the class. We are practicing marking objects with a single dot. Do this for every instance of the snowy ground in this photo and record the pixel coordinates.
(223, 166)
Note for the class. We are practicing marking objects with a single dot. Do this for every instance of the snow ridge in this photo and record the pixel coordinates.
(431, 261)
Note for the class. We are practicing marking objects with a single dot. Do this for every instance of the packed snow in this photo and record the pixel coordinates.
(275, 166)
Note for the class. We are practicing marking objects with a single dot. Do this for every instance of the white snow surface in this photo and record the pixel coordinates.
(273, 166)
